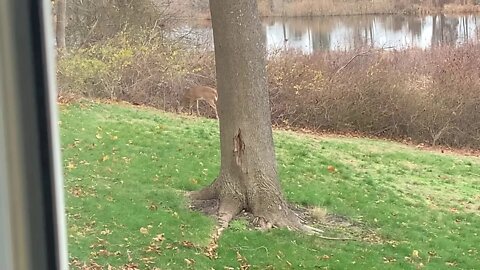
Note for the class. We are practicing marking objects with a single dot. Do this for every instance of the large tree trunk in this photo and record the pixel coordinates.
(61, 23)
(248, 177)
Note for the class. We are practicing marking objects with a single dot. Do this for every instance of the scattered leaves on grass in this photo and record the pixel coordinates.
(153, 247)
(451, 264)
(131, 266)
(152, 206)
(244, 265)
(189, 262)
(71, 165)
(346, 197)
(76, 191)
(106, 231)
(159, 238)
(188, 244)
(389, 260)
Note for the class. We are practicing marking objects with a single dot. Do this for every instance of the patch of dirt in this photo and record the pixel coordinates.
(337, 226)
(332, 225)
(207, 207)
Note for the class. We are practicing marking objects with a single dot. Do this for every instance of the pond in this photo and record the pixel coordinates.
(353, 32)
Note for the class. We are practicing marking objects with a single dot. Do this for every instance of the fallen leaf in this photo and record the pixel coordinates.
(451, 263)
(148, 260)
(131, 266)
(188, 244)
(153, 248)
(159, 238)
(71, 165)
(143, 230)
(104, 252)
(106, 232)
(153, 207)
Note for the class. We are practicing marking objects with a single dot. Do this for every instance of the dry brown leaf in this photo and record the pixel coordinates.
(159, 238)
(188, 244)
(71, 165)
(131, 266)
(189, 261)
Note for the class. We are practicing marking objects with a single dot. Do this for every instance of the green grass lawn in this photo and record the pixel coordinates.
(126, 169)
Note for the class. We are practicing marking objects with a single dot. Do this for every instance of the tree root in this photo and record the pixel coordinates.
(229, 207)
(318, 233)
(311, 229)
(208, 193)
(262, 223)
(335, 238)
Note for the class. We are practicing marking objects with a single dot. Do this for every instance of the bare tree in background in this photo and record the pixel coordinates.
(92, 21)
(61, 11)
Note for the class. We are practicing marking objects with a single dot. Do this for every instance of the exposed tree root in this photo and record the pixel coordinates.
(207, 193)
(224, 218)
(227, 210)
(318, 233)
(310, 229)
(334, 238)
(228, 203)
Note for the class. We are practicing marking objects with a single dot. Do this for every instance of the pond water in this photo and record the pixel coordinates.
(351, 32)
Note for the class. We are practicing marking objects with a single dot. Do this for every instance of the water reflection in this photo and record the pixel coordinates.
(91, 21)
(350, 32)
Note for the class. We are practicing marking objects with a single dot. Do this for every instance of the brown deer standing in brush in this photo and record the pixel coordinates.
(196, 94)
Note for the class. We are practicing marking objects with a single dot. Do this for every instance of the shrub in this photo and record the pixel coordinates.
(428, 96)
(145, 71)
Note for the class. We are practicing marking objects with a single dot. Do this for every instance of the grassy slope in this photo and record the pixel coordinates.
(126, 167)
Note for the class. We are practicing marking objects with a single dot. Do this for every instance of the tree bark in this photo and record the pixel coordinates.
(61, 24)
(248, 176)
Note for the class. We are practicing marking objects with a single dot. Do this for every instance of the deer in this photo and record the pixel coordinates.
(197, 93)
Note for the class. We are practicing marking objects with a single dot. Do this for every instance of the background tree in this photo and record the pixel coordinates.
(61, 10)
(248, 175)
(93, 21)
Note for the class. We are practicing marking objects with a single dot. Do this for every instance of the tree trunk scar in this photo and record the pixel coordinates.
(238, 148)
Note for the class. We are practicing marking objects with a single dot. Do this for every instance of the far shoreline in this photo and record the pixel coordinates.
(453, 10)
